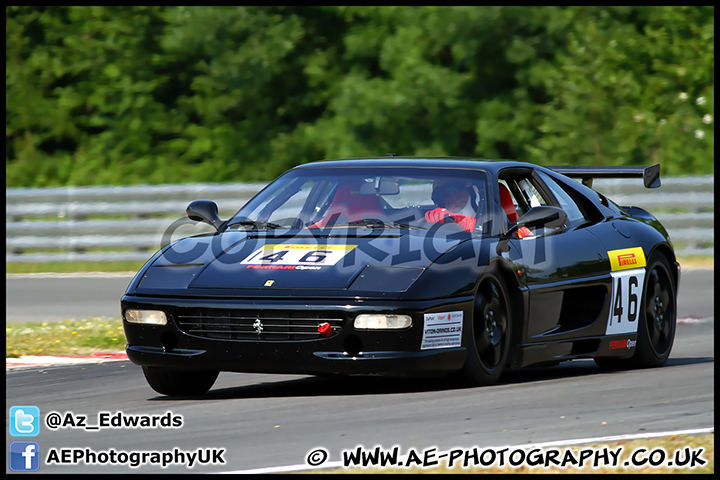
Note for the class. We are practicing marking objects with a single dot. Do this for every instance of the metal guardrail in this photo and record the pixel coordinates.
(684, 205)
(130, 223)
(107, 223)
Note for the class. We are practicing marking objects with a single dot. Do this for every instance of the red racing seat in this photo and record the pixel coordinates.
(349, 202)
(507, 204)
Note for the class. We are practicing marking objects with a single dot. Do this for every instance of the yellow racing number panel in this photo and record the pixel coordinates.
(289, 254)
(627, 267)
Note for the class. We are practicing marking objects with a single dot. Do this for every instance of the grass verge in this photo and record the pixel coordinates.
(73, 267)
(69, 337)
(697, 261)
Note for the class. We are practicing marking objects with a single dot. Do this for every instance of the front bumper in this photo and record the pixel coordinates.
(347, 351)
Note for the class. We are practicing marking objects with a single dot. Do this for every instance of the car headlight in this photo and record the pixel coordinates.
(379, 321)
(147, 317)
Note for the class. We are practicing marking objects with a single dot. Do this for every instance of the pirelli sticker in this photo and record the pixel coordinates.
(627, 267)
(300, 255)
(626, 259)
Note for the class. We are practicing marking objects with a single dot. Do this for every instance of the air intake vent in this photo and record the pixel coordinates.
(260, 325)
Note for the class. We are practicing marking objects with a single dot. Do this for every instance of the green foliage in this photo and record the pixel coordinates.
(632, 90)
(131, 94)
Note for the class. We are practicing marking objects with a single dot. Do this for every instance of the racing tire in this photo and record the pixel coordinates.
(658, 314)
(488, 337)
(179, 382)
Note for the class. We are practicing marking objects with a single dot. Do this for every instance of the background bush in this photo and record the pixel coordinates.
(127, 95)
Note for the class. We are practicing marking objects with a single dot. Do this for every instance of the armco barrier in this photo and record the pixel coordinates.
(684, 205)
(130, 223)
(107, 223)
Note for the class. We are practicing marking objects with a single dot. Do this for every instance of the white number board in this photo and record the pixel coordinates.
(625, 302)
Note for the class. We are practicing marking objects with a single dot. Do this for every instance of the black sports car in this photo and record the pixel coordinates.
(408, 266)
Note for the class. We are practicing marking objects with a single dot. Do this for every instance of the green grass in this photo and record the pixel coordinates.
(74, 267)
(69, 337)
(697, 261)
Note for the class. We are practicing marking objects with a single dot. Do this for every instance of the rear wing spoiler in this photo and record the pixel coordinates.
(650, 175)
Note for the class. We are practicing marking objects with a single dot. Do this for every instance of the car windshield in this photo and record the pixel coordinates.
(388, 197)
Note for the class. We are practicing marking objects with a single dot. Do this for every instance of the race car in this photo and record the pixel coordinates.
(405, 266)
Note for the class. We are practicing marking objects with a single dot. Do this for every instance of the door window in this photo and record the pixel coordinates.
(576, 215)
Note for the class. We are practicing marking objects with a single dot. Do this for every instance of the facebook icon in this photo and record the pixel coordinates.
(24, 456)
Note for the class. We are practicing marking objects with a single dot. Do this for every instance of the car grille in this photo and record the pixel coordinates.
(260, 325)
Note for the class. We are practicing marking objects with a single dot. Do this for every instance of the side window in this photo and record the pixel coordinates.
(574, 212)
(518, 194)
(530, 194)
(524, 193)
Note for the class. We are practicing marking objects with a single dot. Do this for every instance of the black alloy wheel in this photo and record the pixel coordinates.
(659, 312)
(488, 342)
(658, 320)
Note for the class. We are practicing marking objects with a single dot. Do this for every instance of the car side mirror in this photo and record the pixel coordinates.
(550, 217)
(204, 211)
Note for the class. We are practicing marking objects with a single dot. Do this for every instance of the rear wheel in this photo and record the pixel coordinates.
(178, 382)
(488, 338)
(658, 314)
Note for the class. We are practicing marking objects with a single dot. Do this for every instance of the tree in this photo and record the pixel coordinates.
(634, 85)
(205, 94)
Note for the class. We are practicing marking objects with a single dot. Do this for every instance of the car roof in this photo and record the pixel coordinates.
(425, 162)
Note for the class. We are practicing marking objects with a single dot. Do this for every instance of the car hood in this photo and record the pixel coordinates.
(224, 263)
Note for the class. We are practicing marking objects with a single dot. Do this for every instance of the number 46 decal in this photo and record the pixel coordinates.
(625, 301)
(302, 254)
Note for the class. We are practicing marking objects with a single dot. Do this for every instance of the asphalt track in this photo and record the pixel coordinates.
(262, 421)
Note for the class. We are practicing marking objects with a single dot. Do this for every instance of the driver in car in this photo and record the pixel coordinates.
(455, 200)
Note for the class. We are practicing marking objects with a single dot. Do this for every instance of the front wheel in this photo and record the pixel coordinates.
(179, 382)
(488, 338)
